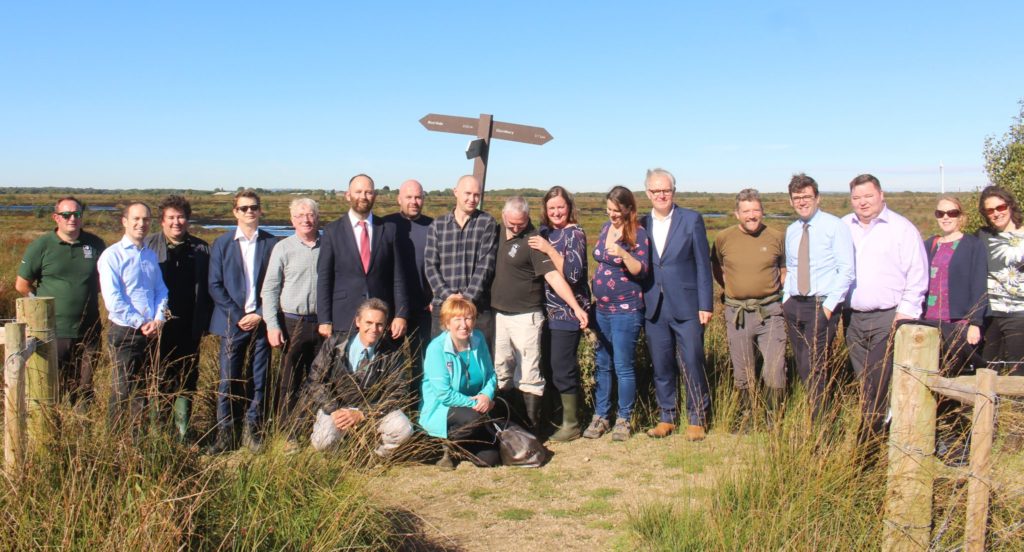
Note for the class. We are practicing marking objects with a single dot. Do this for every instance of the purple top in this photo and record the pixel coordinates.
(938, 282)
(615, 289)
(571, 243)
(891, 265)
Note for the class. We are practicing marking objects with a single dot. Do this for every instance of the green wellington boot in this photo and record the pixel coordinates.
(182, 416)
(570, 428)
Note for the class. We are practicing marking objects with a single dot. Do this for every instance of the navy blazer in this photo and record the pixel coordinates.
(968, 279)
(341, 284)
(679, 280)
(227, 280)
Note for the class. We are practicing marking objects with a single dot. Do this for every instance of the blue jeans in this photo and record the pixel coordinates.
(616, 341)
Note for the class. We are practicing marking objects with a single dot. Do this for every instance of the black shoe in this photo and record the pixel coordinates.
(252, 438)
(223, 442)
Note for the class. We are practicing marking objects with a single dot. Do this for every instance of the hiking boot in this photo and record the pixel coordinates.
(291, 446)
(695, 433)
(223, 442)
(621, 431)
(252, 439)
(570, 428)
(598, 427)
(447, 461)
(663, 429)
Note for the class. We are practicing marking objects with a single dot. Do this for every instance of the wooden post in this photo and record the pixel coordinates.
(978, 485)
(908, 501)
(14, 399)
(484, 130)
(41, 370)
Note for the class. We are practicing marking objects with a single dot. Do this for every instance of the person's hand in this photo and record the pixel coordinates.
(346, 418)
(397, 328)
(275, 337)
(614, 249)
(325, 330)
(152, 328)
(541, 244)
(828, 313)
(483, 405)
(582, 316)
(704, 317)
(249, 322)
(900, 316)
(973, 335)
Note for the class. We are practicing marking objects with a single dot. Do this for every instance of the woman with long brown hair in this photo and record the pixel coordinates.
(622, 256)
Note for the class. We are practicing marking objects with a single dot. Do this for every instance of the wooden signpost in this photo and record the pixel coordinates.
(485, 128)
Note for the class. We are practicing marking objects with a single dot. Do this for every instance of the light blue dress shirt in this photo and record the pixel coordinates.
(355, 352)
(831, 256)
(132, 285)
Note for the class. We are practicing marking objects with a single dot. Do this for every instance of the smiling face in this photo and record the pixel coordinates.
(460, 327)
(514, 222)
(304, 220)
(750, 215)
(805, 203)
(361, 195)
(174, 224)
(68, 228)
(410, 199)
(558, 212)
(247, 211)
(660, 192)
(371, 323)
(467, 195)
(867, 201)
(615, 213)
(136, 223)
(949, 224)
(998, 213)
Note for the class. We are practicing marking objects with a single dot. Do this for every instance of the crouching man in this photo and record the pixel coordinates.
(356, 379)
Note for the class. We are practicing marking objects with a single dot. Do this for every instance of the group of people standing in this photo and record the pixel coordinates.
(476, 313)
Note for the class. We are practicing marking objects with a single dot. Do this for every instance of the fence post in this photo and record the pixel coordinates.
(981, 461)
(908, 501)
(14, 399)
(41, 370)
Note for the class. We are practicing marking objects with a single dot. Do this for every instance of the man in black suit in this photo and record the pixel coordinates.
(359, 259)
(238, 264)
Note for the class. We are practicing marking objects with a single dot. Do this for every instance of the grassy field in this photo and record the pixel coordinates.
(796, 488)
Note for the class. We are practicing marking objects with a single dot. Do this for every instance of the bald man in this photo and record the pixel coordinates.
(411, 238)
(459, 259)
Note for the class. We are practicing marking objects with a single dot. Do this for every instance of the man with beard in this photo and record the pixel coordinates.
(749, 262)
(359, 259)
(184, 262)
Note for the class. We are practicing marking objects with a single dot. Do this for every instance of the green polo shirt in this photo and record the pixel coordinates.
(66, 272)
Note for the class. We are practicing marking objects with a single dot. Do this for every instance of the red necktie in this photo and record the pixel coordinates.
(364, 246)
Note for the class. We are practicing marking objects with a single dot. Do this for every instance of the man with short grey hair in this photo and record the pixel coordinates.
(289, 306)
(749, 262)
(517, 296)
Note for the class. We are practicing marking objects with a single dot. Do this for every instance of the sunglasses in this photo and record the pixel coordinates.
(952, 213)
(247, 208)
(66, 215)
(998, 208)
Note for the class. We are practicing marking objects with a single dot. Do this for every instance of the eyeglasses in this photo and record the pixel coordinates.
(952, 213)
(795, 199)
(665, 192)
(992, 210)
(246, 208)
(66, 215)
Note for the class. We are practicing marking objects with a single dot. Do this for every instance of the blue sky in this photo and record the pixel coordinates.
(724, 94)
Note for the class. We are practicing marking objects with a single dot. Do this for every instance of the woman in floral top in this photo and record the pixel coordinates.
(622, 256)
(564, 242)
(1004, 239)
(956, 303)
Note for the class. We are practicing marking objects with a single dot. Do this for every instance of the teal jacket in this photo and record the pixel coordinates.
(444, 384)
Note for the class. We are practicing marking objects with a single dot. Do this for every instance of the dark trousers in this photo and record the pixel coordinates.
(677, 346)
(1004, 342)
(418, 331)
(562, 359)
(474, 433)
(869, 342)
(244, 362)
(302, 342)
(179, 359)
(128, 354)
(76, 360)
(484, 323)
(811, 335)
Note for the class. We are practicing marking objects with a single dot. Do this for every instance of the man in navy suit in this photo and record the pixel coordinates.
(677, 298)
(238, 264)
(359, 259)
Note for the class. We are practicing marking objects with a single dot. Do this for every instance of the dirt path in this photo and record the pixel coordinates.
(580, 500)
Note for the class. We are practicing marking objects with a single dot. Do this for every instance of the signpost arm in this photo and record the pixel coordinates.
(483, 131)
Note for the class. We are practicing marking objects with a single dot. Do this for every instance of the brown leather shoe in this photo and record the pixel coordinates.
(663, 429)
(695, 433)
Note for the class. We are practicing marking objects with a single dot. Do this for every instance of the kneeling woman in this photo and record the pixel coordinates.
(459, 384)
